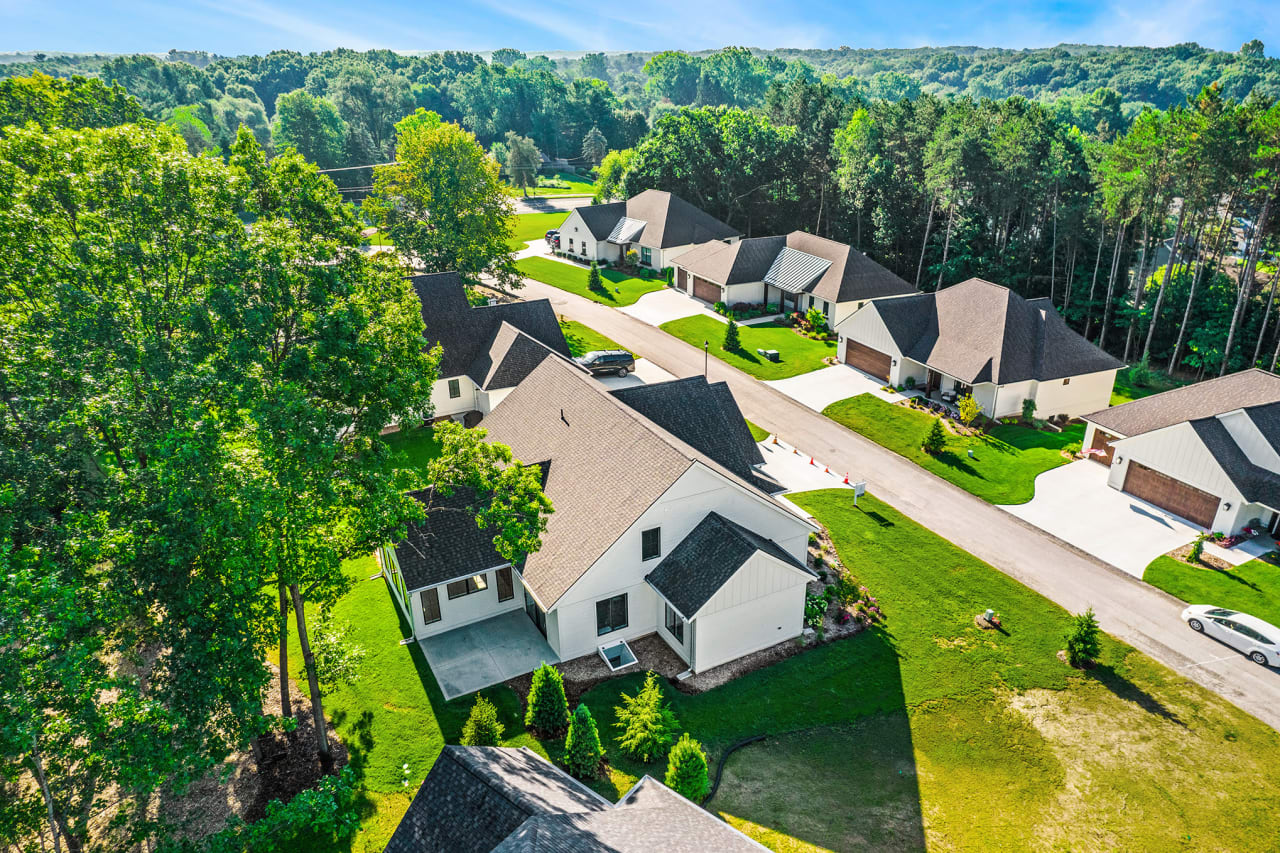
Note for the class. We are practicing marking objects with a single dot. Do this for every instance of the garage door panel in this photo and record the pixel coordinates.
(867, 359)
(705, 290)
(1102, 441)
(1171, 494)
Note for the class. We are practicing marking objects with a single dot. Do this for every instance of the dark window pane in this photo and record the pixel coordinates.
(611, 614)
(675, 625)
(506, 587)
(651, 543)
(455, 389)
(430, 605)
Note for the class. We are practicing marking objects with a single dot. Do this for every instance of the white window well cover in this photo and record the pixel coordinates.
(794, 270)
(617, 655)
(626, 231)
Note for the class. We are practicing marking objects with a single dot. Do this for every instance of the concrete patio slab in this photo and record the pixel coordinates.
(668, 304)
(820, 388)
(1075, 504)
(486, 653)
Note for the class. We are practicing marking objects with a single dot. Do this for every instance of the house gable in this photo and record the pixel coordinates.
(1177, 451)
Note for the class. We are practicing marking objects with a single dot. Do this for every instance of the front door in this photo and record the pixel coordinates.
(932, 381)
(536, 613)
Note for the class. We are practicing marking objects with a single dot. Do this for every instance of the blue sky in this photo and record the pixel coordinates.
(257, 26)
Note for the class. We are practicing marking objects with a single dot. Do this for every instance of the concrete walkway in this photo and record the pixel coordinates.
(1137, 613)
(820, 388)
(486, 653)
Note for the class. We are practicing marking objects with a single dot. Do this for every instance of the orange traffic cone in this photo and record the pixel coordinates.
(826, 469)
(811, 462)
(775, 438)
(846, 478)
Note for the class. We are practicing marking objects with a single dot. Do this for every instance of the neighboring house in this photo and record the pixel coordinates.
(493, 799)
(658, 226)
(1208, 452)
(982, 339)
(796, 272)
(662, 523)
(488, 349)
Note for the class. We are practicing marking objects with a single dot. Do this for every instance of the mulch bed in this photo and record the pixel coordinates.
(1207, 560)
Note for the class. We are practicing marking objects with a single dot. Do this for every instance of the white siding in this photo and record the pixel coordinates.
(1084, 394)
(1251, 440)
(442, 405)
(584, 245)
(1178, 452)
(752, 291)
(467, 609)
(760, 606)
(866, 327)
(620, 569)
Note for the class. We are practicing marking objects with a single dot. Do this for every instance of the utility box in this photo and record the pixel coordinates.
(771, 354)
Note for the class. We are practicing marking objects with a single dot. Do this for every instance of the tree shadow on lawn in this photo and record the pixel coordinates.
(1123, 688)
(1240, 579)
(954, 460)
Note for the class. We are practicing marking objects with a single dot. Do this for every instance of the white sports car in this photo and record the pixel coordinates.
(1257, 639)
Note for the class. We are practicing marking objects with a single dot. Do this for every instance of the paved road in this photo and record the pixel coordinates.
(1139, 614)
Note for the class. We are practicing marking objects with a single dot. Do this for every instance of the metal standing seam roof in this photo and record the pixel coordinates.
(627, 230)
(795, 271)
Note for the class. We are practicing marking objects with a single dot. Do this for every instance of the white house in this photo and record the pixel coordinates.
(659, 226)
(796, 272)
(982, 339)
(1208, 452)
(661, 524)
(487, 349)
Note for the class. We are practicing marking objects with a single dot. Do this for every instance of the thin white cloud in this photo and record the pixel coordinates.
(306, 29)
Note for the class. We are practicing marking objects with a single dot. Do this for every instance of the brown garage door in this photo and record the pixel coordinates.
(1174, 495)
(867, 359)
(704, 289)
(1102, 441)
(682, 280)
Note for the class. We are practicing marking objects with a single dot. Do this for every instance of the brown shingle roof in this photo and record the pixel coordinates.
(977, 331)
(672, 221)
(1252, 387)
(608, 464)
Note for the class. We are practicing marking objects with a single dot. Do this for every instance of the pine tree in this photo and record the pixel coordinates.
(582, 749)
(482, 727)
(687, 769)
(593, 278)
(1084, 640)
(936, 440)
(731, 341)
(548, 712)
(647, 723)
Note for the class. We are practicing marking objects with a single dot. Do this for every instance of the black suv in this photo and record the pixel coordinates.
(617, 361)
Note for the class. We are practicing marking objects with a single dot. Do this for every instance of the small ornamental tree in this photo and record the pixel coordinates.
(817, 320)
(1028, 409)
(731, 341)
(647, 723)
(482, 727)
(1084, 640)
(936, 440)
(1197, 549)
(969, 409)
(582, 749)
(687, 769)
(593, 278)
(548, 712)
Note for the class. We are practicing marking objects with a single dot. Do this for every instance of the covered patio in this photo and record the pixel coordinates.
(486, 653)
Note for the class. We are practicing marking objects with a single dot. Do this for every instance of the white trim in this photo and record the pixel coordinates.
(666, 600)
(808, 577)
(462, 578)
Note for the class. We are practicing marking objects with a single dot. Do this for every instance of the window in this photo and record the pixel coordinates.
(675, 625)
(611, 614)
(430, 605)
(571, 242)
(651, 543)
(458, 589)
(455, 389)
(1067, 381)
(646, 256)
(506, 589)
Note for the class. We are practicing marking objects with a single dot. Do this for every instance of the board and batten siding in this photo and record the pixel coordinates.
(465, 610)
(1178, 452)
(867, 328)
(1251, 440)
(619, 569)
(760, 606)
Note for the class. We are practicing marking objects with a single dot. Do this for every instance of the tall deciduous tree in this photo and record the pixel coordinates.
(594, 146)
(311, 126)
(523, 161)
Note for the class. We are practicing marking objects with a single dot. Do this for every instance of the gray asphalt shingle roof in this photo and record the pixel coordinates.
(466, 333)
(705, 560)
(1257, 484)
(448, 545)
(664, 220)
(505, 800)
(1252, 387)
(977, 331)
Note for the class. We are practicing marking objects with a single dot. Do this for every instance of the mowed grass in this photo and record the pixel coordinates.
(797, 354)
(1252, 588)
(1005, 461)
(531, 227)
(757, 432)
(583, 339)
(1126, 390)
(619, 289)
(578, 185)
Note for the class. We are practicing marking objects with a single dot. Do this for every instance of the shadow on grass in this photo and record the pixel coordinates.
(1123, 688)
(1240, 579)
(876, 517)
(957, 462)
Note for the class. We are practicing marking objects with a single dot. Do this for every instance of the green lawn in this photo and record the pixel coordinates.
(926, 731)
(578, 185)
(1253, 588)
(798, 354)
(1005, 461)
(583, 339)
(620, 289)
(1125, 390)
(757, 432)
(377, 238)
(534, 226)
(418, 445)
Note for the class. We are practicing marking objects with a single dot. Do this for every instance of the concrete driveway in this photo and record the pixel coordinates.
(1075, 504)
(820, 388)
(668, 304)
(646, 373)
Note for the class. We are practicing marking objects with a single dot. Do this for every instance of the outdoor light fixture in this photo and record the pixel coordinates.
(895, 362)
(1226, 507)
